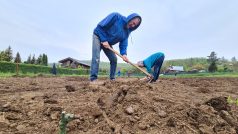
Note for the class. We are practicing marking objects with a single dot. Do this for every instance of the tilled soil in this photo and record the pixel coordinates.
(126, 106)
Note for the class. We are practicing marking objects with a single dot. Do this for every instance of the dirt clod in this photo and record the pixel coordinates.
(129, 110)
(219, 103)
(69, 88)
(171, 122)
(162, 113)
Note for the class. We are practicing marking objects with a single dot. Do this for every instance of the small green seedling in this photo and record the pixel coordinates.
(64, 120)
(231, 101)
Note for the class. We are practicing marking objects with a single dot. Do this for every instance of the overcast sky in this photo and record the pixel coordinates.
(64, 28)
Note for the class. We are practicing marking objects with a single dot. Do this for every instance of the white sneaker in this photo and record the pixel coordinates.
(96, 82)
(112, 80)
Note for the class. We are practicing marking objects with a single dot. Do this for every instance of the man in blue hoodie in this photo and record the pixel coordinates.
(153, 61)
(113, 29)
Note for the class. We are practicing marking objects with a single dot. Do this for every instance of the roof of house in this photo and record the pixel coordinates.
(75, 60)
(176, 68)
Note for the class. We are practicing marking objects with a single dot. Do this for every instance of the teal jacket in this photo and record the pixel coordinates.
(150, 61)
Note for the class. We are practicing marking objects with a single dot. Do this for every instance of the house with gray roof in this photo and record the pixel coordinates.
(73, 63)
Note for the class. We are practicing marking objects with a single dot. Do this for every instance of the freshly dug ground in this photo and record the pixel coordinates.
(126, 106)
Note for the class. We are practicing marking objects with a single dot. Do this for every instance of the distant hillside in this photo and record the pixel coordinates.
(188, 64)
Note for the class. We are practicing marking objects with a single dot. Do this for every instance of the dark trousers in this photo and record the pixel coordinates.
(157, 66)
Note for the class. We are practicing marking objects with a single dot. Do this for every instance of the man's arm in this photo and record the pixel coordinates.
(123, 49)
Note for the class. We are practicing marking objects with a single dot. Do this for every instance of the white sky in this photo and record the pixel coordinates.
(64, 28)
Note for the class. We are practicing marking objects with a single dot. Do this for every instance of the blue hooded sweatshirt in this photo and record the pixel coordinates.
(150, 61)
(113, 29)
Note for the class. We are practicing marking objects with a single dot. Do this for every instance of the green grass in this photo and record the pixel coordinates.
(6, 74)
(217, 74)
(21, 74)
(2, 75)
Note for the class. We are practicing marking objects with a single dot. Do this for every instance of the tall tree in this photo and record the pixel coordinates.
(45, 60)
(8, 53)
(3, 56)
(33, 60)
(28, 60)
(190, 62)
(212, 59)
(39, 60)
(17, 58)
(233, 59)
(223, 60)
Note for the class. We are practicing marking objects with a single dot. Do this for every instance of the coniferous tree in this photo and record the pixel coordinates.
(45, 59)
(28, 60)
(39, 60)
(8, 54)
(233, 59)
(33, 60)
(223, 60)
(18, 58)
(212, 59)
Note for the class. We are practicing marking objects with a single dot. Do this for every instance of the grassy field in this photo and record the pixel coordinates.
(217, 74)
(35, 75)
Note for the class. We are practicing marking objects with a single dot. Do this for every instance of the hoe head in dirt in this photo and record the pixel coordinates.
(141, 69)
(147, 79)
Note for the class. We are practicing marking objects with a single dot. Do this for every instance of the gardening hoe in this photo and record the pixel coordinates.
(131, 63)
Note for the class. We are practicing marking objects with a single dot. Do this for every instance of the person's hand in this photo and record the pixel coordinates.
(124, 57)
(106, 44)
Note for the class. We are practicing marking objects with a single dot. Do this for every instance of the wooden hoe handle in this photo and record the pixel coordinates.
(145, 72)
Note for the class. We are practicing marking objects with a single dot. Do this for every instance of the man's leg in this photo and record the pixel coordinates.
(95, 58)
(113, 62)
(157, 67)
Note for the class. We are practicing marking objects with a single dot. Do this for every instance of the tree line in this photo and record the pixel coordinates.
(223, 64)
(7, 55)
(210, 63)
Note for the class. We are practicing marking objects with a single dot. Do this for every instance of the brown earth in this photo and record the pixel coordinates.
(127, 105)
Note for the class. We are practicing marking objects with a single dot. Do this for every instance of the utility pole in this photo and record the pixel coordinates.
(17, 68)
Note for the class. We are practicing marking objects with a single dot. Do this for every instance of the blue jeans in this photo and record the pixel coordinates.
(96, 49)
(157, 66)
